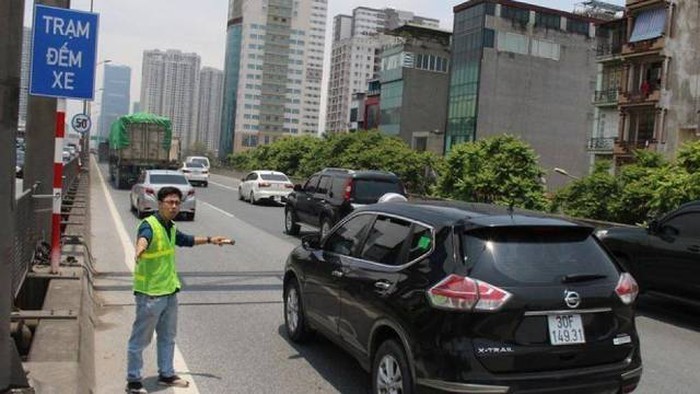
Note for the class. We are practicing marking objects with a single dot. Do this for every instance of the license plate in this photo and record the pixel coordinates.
(566, 329)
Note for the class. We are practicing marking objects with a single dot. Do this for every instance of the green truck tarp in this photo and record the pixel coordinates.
(119, 138)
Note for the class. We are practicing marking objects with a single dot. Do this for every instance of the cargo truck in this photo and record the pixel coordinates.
(139, 142)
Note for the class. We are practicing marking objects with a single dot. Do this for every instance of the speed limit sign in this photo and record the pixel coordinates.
(81, 123)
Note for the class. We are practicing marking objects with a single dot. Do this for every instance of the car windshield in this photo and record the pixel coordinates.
(202, 162)
(274, 177)
(534, 255)
(368, 191)
(194, 165)
(168, 179)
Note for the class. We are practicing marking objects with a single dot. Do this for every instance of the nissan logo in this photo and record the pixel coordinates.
(572, 299)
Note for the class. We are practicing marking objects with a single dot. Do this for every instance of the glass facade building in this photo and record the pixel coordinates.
(115, 96)
(468, 43)
(230, 101)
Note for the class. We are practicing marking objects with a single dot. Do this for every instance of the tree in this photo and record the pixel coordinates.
(595, 196)
(501, 170)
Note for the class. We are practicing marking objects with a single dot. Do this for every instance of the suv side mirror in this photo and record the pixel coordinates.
(311, 241)
(297, 187)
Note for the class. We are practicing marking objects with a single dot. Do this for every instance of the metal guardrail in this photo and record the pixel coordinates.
(25, 240)
(71, 170)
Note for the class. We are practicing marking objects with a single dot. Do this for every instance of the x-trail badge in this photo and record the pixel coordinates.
(572, 299)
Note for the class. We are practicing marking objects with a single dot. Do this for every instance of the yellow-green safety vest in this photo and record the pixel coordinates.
(155, 273)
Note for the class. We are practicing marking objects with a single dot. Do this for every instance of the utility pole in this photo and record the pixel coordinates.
(11, 21)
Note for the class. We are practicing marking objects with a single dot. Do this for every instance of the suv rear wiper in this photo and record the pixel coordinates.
(581, 277)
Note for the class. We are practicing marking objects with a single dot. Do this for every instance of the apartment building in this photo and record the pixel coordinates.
(169, 87)
(272, 73)
(211, 85)
(525, 70)
(355, 56)
(659, 99)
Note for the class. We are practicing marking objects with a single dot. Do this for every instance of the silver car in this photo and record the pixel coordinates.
(144, 194)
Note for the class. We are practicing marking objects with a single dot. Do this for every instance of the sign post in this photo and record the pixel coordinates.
(64, 49)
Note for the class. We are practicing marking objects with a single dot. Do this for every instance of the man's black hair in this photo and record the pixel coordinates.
(169, 191)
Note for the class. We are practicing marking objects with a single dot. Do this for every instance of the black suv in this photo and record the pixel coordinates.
(664, 256)
(331, 194)
(467, 298)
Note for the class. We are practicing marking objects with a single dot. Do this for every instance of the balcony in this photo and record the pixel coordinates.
(643, 47)
(608, 50)
(605, 97)
(627, 148)
(601, 144)
(651, 95)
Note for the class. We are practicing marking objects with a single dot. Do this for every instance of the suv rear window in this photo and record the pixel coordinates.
(368, 191)
(534, 255)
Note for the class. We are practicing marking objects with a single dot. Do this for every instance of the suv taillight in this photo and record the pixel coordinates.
(347, 191)
(627, 288)
(466, 294)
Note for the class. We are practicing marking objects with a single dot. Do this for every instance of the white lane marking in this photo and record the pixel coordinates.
(128, 247)
(224, 186)
(217, 209)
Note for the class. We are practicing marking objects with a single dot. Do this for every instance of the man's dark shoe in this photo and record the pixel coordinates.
(135, 388)
(173, 381)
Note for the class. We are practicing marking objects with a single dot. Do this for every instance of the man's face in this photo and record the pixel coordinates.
(169, 207)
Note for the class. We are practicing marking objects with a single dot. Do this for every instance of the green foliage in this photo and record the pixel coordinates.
(364, 150)
(647, 188)
(689, 157)
(582, 198)
(501, 170)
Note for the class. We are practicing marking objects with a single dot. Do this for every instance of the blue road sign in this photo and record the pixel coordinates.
(64, 50)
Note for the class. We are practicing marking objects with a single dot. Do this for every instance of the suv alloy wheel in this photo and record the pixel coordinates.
(290, 226)
(390, 373)
(294, 319)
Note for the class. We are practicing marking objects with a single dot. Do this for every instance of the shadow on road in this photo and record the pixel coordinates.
(336, 366)
(670, 312)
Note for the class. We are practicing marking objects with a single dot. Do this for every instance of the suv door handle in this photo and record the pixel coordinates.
(694, 248)
(382, 285)
(337, 273)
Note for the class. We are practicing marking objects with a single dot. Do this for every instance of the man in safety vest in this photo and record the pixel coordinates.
(156, 285)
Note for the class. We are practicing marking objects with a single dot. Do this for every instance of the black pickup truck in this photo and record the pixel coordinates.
(664, 257)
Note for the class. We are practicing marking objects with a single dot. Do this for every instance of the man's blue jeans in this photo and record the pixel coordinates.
(153, 313)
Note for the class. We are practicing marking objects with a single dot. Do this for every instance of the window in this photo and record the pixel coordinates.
(511, 42)
(489, 38)
(420, 144)
(547, 21)
(251, 177)
(545, 49)
(346, 238)
(310, 186)
(515, 14)
(385, 241)
(324, 184)
(421, 242)
(580, 27)
(687, 225)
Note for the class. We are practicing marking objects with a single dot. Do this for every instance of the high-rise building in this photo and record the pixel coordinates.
(524, 70)
(211, 84)
(169, 87)
(357, 42)
(24, 77)
(116, 96)
(136, 107)
(272, 72)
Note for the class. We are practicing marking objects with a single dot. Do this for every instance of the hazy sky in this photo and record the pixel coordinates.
(128, 27)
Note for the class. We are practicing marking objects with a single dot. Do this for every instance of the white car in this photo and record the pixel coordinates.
(265, 185)
(198, 159)
(196, 173)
